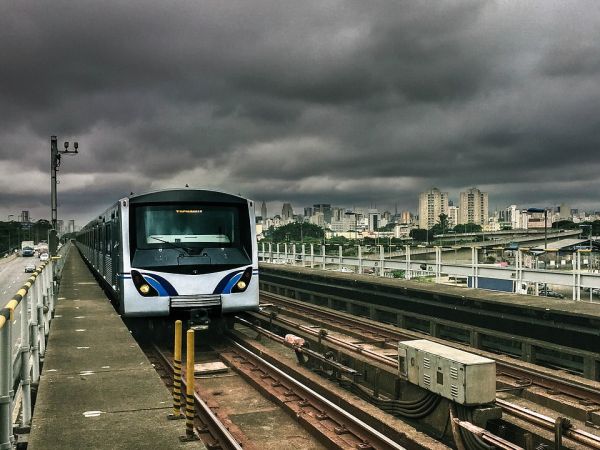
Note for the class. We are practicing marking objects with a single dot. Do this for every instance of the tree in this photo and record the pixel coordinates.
(468, 228)
(441, 226)
(297, 232)
(419, 234)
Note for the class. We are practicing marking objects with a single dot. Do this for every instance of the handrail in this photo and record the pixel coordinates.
(23, 342)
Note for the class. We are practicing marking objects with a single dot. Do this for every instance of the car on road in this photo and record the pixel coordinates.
(29, 267)
(44, 257)
(547, 292)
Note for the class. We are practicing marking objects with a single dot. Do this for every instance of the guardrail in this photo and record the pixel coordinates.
(24, 325)
(379, 263)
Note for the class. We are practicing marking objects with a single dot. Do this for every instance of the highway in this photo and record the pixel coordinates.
(12, 276)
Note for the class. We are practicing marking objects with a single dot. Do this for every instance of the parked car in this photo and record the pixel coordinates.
(547, 292)
(29, 267)
(44, 257)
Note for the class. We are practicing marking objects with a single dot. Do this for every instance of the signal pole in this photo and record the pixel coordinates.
(55, 156)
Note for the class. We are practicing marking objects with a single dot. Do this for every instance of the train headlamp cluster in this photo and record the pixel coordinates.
(144, 288)
(243, 282)
(140, 284)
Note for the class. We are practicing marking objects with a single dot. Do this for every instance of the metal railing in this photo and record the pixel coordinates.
(24, 326)
(410, 265)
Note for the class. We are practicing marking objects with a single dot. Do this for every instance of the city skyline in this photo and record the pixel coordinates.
(348, 103)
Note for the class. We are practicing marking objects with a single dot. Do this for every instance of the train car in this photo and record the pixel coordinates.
(176, 251)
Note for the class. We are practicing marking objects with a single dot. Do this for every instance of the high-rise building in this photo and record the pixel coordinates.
(263, 211)
(405, 217)
(452, 216)
(564, 211)
(324, 208)
(473, 207)
(287, 213)
(374, 220)
(25, 216)
(308, 211)
(60, 226)
(432, 203)
(71, 226)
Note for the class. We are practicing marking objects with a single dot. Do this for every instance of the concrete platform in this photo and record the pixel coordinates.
(98, 390)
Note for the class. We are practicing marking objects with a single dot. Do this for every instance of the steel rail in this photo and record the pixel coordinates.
(581, 436)
(215, 427)
(375, 438)
(546, 422)
(572, 388)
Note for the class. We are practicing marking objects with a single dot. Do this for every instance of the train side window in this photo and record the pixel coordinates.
(108, 239)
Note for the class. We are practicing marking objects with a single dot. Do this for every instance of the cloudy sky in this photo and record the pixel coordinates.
(344, 102)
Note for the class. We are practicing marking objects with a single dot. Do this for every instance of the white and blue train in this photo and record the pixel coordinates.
(176, 251)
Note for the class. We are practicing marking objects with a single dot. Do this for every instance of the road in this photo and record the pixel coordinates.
(12, 276)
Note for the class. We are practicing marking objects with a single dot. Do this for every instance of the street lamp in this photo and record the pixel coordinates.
(55, 157)
(545, 211)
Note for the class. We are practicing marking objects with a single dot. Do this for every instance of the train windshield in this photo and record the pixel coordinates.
(191, 237)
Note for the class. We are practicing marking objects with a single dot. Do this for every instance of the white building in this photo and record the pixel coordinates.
(432, 203)
(473, 207)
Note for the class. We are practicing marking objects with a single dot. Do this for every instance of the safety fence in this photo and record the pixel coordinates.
(413, 263)
(24, 326)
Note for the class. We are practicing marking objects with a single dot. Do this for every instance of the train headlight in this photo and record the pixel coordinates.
(243, 282)
(141, 285)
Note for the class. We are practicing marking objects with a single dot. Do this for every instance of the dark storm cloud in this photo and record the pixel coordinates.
(355, 103)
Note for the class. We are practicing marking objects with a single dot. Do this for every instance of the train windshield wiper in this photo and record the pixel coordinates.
(187, 250)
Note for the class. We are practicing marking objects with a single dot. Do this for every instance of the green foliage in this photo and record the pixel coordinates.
(565, 225)
(468, 228)
(15, 232)
(296, 232)
(420, 234)
(389, 227)
(398, 273)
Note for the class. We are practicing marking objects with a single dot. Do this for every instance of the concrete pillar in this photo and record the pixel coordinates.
(360, 269)
(312, 255)
(475, 339)
(381, 260)
(528, 352)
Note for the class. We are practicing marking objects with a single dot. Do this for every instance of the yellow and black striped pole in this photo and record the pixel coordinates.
(190, 410)
(177, 374)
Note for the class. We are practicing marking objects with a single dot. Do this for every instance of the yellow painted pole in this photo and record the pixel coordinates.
(190, 410)
(177, 374)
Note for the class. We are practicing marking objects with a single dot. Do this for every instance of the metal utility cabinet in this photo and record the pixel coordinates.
(459, 376)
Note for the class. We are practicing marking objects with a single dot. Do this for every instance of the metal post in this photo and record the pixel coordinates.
(294, 253)
(323, 255)
(303, 254)
(360, 269)
(190, 406)
(381, 260)
(277, 251)
(35, 332)
(312, 255)
(545, 229)
(270, 252)
(25, 354)
(578, 286)
(5, 381)
(285, 252)
(407, 257)
(54, 161)
(340, 256)
(177, 374)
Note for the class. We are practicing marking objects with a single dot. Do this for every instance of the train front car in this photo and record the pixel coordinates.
(189, 252)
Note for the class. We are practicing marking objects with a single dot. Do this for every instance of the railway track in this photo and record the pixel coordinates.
(329, 423)
(385, 338)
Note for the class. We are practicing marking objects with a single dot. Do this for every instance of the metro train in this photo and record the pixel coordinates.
(176, 252)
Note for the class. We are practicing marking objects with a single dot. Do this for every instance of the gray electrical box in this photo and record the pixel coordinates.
(459, 376)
